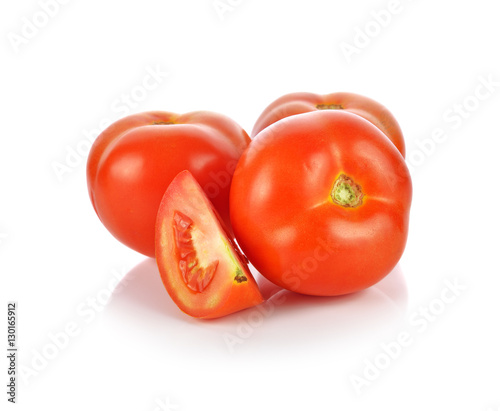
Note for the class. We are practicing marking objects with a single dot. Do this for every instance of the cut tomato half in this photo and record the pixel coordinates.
(200, 266)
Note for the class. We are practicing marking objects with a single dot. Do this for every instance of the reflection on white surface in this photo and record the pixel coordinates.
(142, 289)
(283, 320)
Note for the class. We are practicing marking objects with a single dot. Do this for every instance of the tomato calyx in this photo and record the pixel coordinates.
(195, 274)
(346, 192)
(329, 106)
(162, 123)
(240, 277)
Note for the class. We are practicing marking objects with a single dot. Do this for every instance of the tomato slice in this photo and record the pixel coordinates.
(200, 266)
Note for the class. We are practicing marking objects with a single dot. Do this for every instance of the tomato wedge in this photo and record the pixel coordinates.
(200, 266)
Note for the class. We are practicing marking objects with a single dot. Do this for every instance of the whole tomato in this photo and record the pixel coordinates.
(133, 161)
(320, 203)
(297, 103)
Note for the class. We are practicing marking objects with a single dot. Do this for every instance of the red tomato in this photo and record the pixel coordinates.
(200, 267)
(320, 203)
(134, 160)
(297, 103)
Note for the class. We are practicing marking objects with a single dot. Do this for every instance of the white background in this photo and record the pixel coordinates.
(426, 63)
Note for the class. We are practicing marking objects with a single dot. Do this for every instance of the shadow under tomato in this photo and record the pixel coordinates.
(285, 317)
(392, 288)
(142, 286)
(142, 291)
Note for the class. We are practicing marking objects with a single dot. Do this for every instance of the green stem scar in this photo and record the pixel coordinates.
(240, 277)
(162, 123)
(329, 106)
(346, 192)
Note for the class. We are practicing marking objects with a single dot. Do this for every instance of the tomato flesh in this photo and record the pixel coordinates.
(196, 276)
(199, 265)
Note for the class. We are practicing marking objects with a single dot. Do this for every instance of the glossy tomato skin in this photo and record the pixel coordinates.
(284, 216)
(369, 109)
(199, 265)
(133, 161)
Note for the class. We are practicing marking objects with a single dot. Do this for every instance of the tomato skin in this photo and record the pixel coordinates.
(189, 231)
(298, 103)
(133, 161)
(284, 217)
